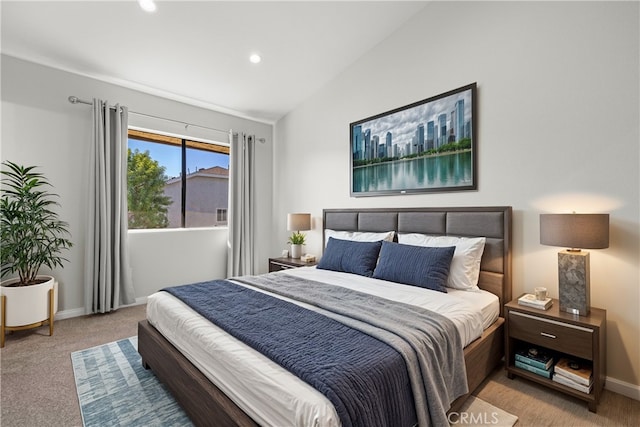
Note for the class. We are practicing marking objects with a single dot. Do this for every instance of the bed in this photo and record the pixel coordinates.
(207, 404)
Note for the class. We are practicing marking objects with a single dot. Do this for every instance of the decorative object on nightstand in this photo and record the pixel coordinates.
(574, 373)
(530, 300)
(286, 263)
(308, 258)
(534, 359)
(535, 356)
(562, 336)
(297, 222)
(575, 231)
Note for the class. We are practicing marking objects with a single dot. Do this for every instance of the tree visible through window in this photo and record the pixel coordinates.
(176, 182)
(147, 203)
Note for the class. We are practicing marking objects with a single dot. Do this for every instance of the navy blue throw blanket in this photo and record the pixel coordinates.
(365, 379)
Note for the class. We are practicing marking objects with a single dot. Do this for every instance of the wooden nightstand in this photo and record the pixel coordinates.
(562, 333)
(277, 264)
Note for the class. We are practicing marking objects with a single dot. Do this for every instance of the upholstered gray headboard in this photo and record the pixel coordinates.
(492, 222)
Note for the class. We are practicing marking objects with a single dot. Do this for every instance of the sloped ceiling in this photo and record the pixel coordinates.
(197, 52)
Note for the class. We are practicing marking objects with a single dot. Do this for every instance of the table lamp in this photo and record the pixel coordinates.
(298, 222)
(576, 232)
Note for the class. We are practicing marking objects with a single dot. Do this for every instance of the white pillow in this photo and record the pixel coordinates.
(358, 236)
(465, 265)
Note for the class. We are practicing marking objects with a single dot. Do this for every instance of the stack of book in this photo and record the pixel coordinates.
(530, 300)
(574, 374)
(535, 360)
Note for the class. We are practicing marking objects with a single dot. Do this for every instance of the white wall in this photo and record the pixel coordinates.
(558, 131)
(40, 127)
(187, 256)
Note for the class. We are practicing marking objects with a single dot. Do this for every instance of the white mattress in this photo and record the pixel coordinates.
(263, 389)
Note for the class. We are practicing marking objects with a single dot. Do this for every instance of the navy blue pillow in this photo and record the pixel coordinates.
(350, 257)
(426, 267)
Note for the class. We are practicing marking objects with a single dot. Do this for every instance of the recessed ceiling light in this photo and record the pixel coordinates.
(255, 58)
(147, 5)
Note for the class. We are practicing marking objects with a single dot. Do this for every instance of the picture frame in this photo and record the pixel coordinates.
(427, 146)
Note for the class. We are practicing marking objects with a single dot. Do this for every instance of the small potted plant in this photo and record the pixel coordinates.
(32, 236)
(296, 240)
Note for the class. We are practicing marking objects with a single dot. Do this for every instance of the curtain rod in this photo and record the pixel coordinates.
(75, 100)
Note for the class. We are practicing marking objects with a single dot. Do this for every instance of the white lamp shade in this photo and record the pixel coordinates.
(298, 221)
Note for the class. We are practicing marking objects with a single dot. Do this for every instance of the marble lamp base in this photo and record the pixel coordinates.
(573, 282)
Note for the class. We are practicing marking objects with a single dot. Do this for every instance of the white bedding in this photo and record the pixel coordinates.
(267, 392)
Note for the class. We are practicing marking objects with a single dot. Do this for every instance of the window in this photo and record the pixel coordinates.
(222, 215)
(176, 182)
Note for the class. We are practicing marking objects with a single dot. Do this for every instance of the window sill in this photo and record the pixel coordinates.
(176, 230)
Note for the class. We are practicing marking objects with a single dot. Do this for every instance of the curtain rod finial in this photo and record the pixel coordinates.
(73, 99)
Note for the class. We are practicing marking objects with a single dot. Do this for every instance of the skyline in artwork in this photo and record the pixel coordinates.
(414, 130)
(426, 146)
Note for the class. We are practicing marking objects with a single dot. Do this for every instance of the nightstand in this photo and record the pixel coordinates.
(563, 334)
(277, 264)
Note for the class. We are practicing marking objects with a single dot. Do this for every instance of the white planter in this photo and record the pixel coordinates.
(27, 305)
(296, 251)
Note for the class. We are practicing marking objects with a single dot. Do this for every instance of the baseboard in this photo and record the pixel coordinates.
(67, 314)
(626, 389)
(77, 312)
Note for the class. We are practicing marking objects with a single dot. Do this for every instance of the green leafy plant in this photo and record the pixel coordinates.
(30, 232)
(147, 204)
(297, 238)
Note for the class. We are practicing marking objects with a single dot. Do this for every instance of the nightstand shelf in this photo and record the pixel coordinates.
(564, 334)
(277, 264)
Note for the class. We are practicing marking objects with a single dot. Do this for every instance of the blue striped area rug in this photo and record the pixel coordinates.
(115, 390)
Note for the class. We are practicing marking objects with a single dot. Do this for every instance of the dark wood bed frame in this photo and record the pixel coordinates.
(207, 405)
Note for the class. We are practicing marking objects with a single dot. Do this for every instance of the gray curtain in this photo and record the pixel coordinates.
(241, 204)
(107, 278)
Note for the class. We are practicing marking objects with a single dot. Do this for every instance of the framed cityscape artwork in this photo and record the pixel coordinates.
(427, 146)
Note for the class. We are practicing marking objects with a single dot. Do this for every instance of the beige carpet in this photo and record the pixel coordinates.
(477, 412)
(37, 386)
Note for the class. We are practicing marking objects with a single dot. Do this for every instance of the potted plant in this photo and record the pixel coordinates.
(296, 240)
(32, 236)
